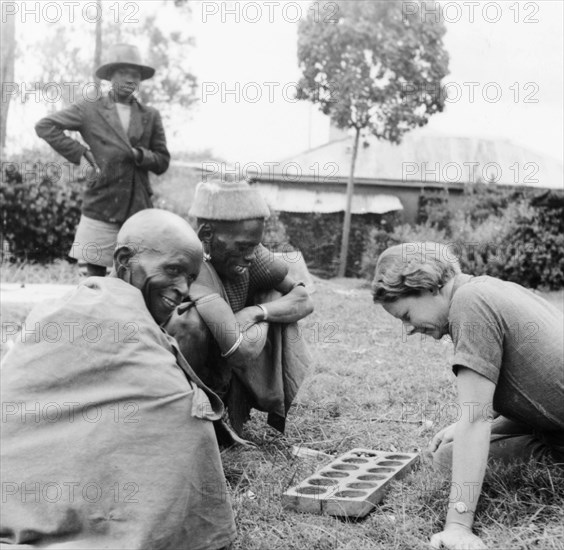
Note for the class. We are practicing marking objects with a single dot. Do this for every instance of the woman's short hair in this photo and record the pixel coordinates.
(410, 268)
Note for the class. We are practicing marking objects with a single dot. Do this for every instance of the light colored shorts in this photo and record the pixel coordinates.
(94, 242)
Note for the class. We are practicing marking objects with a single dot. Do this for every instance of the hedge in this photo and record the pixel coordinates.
(38, 215)
(318, 237)
(497, 232)
(513, 236)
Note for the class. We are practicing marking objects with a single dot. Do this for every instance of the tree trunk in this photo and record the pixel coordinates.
(98, 46)
(348, 215)
(8, 52)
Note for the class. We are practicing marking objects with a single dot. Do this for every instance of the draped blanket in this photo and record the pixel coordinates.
(106, 434)
(271, 381)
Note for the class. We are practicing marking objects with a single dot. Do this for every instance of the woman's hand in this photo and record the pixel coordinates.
(446, 435)
(457, 537)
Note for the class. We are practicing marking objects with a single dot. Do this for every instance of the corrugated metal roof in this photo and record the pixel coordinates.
(308, 200)
(430, 158)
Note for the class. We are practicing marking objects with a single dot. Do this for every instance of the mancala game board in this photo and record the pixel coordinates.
(350, 485)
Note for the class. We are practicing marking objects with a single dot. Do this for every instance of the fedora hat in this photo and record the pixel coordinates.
(121, 55)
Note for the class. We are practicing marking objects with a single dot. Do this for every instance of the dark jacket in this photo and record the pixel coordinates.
(123, 187)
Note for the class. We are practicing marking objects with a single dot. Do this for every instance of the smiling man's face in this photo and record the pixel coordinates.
(426, 313)
(165, 276)
(233, 245)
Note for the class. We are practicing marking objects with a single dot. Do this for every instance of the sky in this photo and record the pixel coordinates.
(505, 81)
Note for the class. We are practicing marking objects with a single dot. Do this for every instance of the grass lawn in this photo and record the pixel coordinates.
(370, 386)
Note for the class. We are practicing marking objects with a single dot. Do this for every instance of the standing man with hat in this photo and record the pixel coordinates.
(125, 140)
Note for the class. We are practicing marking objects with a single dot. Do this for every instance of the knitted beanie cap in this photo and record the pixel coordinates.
(228, 201)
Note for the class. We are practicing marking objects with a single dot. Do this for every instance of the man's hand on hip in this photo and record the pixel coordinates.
(88, 169)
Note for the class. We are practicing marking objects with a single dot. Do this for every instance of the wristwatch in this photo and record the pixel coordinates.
(461, 508)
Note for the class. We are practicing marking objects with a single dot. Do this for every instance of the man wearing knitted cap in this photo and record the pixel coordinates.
(241, 337)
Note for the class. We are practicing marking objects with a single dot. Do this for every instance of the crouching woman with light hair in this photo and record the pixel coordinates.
(508, 363)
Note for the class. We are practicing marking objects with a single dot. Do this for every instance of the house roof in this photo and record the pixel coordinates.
(423, 157)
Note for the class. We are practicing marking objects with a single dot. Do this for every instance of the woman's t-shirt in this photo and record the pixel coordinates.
(514, 338)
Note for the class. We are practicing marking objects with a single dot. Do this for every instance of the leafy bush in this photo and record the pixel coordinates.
(480, 202)
(379, 240)
(318, 237)
(497, 232)
(434, 209)
(536, 255)
(38, 214)
(484, 200)
(275, 237)
(482, 247)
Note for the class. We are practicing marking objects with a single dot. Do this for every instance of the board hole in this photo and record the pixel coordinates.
(369, 455)
(371, 477)
(380, 470)
(397, 457)
(344, 467)
(361, 485)
(355, 460)
(334, 474)
(324, 482)
(389, 463)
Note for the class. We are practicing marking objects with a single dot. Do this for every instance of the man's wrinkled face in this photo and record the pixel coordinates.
(233, 246)
(165, 276)
(426, 313)
(125, 80)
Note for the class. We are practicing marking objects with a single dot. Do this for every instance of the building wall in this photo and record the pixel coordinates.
(409, 198)
(407, 192)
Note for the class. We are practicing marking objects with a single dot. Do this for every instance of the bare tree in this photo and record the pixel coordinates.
(8, 53)
(98, 46)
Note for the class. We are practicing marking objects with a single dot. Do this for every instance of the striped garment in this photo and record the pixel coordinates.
(266, 273)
